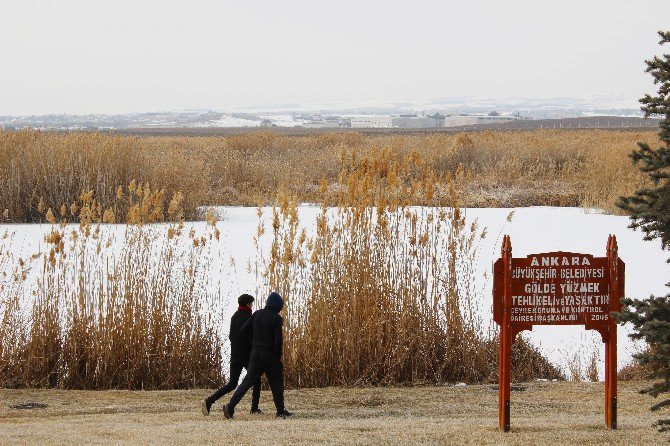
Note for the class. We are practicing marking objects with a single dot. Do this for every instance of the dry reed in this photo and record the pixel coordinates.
(138, 320)
(582, 364)
(382, 293)
(502, 169)
(41, 170)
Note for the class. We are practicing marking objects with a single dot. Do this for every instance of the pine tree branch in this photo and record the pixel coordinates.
(660, 405)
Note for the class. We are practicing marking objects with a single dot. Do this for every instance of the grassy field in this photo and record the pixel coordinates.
(380, 294)
(545, 413)
(42, 170)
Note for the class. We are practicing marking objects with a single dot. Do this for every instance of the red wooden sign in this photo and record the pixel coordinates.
(563, 288)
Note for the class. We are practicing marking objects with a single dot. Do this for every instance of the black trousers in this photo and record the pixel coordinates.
(262, 361)
(235, 371)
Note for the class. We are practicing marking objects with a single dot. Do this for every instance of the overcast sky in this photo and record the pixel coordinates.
(116, 56)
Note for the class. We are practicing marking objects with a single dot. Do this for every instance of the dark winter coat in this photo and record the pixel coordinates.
(265, 327)
(240, 345)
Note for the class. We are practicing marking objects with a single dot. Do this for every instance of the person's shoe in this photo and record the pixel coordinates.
(256, 412)
(205, 406)
(284, 414)
(228, 412)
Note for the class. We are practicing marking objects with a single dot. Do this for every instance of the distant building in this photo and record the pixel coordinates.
(325, 122)
(411, 121)
(376, 122)
(321, 124)
(396, 122)
(414, 122)
(456, 121)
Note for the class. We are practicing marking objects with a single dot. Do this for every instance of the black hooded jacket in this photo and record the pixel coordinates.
(240, 345)
(265, 328)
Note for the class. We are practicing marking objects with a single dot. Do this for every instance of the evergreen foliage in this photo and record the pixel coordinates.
(650, 207)
(651, 322)
(650, 211)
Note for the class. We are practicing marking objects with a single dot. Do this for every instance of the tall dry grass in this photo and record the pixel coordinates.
(382, 293)
(140, 319)
(502, 169)
(41, 170)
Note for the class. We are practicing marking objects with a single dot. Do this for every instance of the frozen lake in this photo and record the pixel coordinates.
(532, 230)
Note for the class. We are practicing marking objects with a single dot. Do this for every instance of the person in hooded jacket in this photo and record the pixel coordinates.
(265, 330)
(240, 351)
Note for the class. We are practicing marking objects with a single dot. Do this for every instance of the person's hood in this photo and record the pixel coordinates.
(275, 302)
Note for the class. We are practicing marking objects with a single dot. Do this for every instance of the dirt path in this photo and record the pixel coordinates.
(545, 414)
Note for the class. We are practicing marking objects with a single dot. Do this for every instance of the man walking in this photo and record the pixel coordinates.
(240, 350)
(265, 330)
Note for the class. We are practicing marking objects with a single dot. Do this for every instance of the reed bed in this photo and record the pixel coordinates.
(135, 320)
(383, 292)
(41, 170)
(501, 169)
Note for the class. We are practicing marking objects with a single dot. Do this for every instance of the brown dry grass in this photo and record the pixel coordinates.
(505, 169)
(546, 413)
(380, 295)
(40, 170)
(383, 293)
(522, 168)
(141, 318)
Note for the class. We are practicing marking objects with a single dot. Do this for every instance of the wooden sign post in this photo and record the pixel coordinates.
(557, 288)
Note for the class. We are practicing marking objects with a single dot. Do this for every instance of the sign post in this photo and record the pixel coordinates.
(557, 288)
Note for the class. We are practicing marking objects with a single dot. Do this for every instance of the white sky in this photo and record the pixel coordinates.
(117, 56)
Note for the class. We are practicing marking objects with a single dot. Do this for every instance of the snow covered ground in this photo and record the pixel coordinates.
(532, 230)
(230, 121)
(278, 120)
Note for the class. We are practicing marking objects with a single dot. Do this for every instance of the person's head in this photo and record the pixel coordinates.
(275, 302)
(245, 300)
